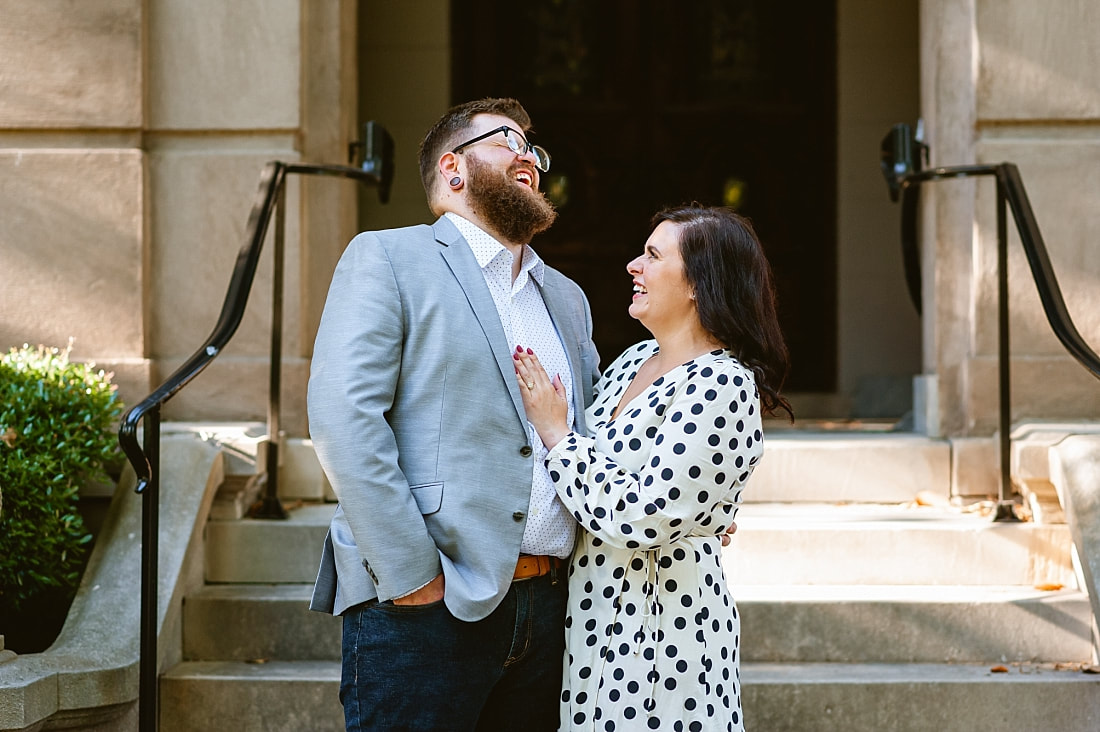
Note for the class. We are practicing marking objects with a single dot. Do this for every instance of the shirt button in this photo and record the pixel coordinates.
(517, 516)
(525, 451)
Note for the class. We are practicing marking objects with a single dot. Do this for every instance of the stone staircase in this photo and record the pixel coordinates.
(861, 608)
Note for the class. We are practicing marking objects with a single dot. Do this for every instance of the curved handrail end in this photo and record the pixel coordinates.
(127, 440)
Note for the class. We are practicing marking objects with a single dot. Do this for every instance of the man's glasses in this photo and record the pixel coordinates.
(517, 143)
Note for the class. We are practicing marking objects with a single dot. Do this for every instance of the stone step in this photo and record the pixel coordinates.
(902, 544)
(257, 622)
(798, 465)
(882, 467)
(824, 623)
(789, 543)
(281, 696)
(824, 697)
(912, 624)
(919, 697)
(268, 551)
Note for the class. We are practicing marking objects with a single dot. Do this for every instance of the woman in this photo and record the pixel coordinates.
(652, 632)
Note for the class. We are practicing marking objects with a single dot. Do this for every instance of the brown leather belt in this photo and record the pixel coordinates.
(530, 565)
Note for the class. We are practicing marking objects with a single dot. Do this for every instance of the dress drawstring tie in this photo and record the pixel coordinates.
(651, 616)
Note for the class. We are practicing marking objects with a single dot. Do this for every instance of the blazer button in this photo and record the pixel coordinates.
(517, 516)
(525, 451)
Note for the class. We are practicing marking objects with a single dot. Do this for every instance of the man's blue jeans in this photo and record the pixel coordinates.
(419, 668)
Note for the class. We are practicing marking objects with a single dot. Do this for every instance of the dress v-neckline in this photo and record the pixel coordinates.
(621, 407)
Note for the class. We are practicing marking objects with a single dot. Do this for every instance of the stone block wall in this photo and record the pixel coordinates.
(71, 181)
(133, 133)
(1009, 81)
(132, 138)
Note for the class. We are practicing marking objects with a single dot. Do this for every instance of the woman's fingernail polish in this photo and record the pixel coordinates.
(530, 352)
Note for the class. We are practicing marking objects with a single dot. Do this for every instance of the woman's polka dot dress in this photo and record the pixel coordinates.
(652, 632)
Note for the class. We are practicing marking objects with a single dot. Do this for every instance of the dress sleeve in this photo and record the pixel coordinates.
(697, 457)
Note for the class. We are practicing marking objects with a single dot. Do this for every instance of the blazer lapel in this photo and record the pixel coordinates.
(561, 308)
(466, 270)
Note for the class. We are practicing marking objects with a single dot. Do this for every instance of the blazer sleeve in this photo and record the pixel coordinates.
(354, 374)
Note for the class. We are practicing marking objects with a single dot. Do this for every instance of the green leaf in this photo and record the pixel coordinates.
(62, 416)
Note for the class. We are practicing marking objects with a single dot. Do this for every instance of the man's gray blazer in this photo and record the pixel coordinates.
(418, 423)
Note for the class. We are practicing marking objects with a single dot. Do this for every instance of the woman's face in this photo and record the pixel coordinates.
(662, 297)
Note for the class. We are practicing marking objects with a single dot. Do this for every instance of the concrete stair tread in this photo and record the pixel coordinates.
(301, 592)
(757, 672)
(268, 550)
(220, 622)
(752, 673)
(915, 697)
(910, 594)
(299, 513)
(843, 514)
(892, 544)
(298, 591)
(824, 697)
(912, 624)
(866, 623)
(279, 696)
(323, 670)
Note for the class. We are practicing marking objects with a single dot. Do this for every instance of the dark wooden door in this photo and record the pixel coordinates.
(644, 104)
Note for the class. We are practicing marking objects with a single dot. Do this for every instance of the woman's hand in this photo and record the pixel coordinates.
(727, 537)
(544, 400)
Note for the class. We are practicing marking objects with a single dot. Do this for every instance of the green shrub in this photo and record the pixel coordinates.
(56, 432)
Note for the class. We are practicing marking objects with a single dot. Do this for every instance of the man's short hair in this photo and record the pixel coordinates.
(444, 134)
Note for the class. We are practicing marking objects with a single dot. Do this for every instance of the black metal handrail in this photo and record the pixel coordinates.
(377, 170)
(902, 158)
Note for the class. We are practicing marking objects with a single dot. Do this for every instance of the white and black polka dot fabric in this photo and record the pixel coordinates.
(652, 631)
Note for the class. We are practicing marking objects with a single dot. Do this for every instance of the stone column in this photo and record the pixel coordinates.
(1008, 82)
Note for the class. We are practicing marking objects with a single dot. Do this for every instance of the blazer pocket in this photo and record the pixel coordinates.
(428, 497)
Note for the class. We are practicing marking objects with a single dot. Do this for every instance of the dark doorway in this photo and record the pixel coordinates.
(644, 104)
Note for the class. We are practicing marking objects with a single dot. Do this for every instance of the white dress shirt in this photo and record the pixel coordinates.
(526, 322)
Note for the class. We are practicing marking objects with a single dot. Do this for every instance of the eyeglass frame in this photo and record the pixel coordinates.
(527, 146)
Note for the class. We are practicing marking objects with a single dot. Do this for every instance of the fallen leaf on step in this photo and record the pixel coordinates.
(256, 660)
(1090, 669)
(999, 669)
(1049, 586)
(931, 498)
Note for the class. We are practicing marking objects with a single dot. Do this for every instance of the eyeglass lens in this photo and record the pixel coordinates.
(519, 146)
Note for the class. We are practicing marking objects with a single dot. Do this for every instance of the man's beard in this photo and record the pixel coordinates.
(513, 211)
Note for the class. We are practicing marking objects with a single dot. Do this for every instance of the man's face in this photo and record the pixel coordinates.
(503, 186)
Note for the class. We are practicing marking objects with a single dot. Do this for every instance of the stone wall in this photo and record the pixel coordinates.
(132, 137)
(72, 190)
(133, 132)
(1009, 81)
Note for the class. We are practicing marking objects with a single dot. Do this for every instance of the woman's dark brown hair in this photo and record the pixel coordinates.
(725, 266)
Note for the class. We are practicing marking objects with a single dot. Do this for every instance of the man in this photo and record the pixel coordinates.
(444, 556)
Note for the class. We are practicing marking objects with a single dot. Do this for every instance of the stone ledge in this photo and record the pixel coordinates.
(1075, 470)
(91, 672)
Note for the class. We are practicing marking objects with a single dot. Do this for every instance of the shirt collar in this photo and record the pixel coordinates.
(486, 248)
